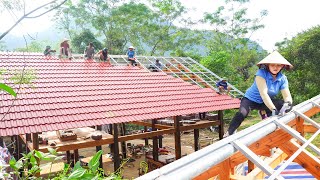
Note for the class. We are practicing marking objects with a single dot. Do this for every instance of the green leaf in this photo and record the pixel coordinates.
(77, 174)
(95, 161)
(52, 151)
(39, 154)
(8, 89)
(77, 166)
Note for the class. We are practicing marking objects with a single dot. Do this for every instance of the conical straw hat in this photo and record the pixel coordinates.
(275, 58)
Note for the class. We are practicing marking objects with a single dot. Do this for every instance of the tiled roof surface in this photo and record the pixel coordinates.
(67, 94)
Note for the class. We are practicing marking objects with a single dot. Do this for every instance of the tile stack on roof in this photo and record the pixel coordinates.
(68, 94)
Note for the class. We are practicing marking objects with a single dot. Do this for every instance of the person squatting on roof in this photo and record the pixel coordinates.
(103, 55)
(48, 51)
(269, 81)
(89, 51)
(131, 56)
(223, 86)
(65, 49)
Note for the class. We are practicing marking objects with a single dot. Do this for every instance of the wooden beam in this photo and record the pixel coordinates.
(225, 169)
(300, 126)
(199, 125)
(158, 126)
(214, 171)
(308, 128)
(262, 146)
(305, 158)
(146, 135)
(273, 162)
(177, 138)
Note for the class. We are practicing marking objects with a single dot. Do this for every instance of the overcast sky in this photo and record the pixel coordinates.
(286, 18)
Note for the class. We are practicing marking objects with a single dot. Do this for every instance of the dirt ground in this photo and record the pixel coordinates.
(130, 169)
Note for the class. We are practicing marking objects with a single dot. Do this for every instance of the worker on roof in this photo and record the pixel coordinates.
(269, 81)
(103, 55)
(131, 56)
(223, 86)
(65, 50)
(48, 51)
(89, 51)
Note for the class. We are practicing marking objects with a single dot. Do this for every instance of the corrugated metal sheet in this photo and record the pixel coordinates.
(78, 94)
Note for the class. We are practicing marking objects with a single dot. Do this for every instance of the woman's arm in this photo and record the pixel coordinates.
(263, 90)
(286, 95)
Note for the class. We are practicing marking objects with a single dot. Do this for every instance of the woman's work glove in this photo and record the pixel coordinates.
(287, 107)
(275, 112)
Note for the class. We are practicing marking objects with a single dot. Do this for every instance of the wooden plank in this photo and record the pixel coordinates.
(263, 145)
(146, 135)
(299, 126)
(199, 125)
(158, 126)
(273, 162)
(305, 158)
(225, 169)
(308, 128)
(212, 172)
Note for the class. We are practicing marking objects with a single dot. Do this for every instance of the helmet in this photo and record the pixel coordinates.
(275, 58)
(224, 79)
(104, 49)
(130, 47)
(65, 39)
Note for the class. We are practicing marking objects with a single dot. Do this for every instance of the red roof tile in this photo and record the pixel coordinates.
(67, 94)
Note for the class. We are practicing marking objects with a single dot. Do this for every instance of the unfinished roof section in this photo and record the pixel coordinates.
(66, 94)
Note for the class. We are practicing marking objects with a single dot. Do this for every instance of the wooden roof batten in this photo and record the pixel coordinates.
(220, 157)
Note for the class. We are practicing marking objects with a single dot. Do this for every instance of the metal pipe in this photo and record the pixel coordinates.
(209, 156)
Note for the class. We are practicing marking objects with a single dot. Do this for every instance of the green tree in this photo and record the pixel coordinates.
(81, 40)
(303, 52)
(231, 36)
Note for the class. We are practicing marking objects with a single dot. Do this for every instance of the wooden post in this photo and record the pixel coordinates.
(35, 145)
(251, 166)
(116, 157)
(160, 141)
(68, 157)
(111, 145)
(196, 139)
(19, 147)
(177, 138)
(146, 142)
(155, 142)
(75, 156)
(98, 148)
(221, 124)
(123, 143)
(28, 139)
(1, 141)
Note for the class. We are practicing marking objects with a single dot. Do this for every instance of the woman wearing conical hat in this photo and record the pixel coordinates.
(269, 81)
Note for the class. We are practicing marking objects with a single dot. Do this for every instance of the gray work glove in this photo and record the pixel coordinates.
(275, 112)
(287, 107)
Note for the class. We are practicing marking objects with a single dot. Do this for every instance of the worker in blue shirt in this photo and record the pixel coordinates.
(131, 56)
(223, 86)
(269, 81)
